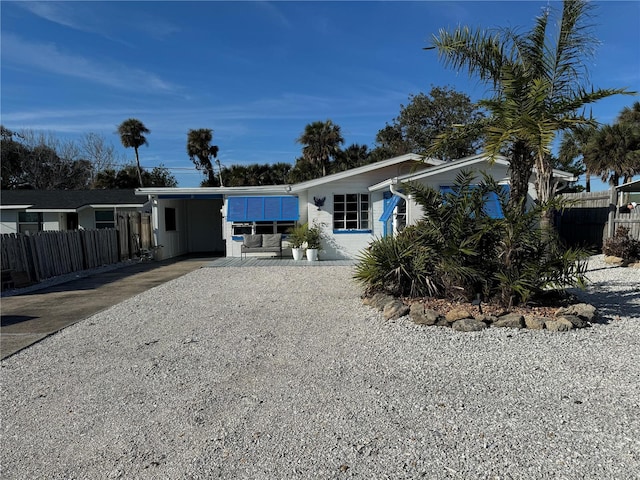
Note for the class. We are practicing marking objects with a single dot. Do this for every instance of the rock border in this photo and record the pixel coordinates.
(579, 315)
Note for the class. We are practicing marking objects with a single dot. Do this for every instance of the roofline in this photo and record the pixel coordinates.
(447, 166)
(364, 169)
(442, 167)
(625, 186)
(284, 188)
(15, 207)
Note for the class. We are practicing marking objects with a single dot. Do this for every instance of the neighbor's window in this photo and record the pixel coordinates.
(29, 222)
(104, 219)
(170, 219)
(351, 211)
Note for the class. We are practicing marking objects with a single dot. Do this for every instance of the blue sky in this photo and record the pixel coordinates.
(255, 73)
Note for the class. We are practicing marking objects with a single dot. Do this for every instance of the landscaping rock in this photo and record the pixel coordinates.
(585, 311)
(511, 320)
(394, 310)
(614, 260)
(442, 322)
(419, 315)
(488, 319)
(559, 325)
(534, 323)
(468, 325)
(379, 300)
(458, 313)
(575, 320)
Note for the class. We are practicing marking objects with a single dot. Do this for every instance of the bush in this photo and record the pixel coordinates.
(621, 245)
(458, 251)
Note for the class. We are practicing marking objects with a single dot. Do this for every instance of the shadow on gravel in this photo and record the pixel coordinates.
(612, 305)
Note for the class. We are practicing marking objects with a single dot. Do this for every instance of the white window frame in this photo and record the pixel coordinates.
(362, 223)
(30, 226)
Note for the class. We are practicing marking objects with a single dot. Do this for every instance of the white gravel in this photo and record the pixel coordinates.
(282, 373)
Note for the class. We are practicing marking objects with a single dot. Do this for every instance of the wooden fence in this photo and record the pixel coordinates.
(47, 254)
(585, 220)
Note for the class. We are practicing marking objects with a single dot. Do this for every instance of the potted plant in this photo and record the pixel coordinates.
(314, 237)
(297, 236)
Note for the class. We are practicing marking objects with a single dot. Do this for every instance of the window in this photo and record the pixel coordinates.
(351, 211)
(247, 228)
(170, 219)
(104, 219)
(29, 222)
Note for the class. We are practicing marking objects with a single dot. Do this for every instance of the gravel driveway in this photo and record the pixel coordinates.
(281, 373)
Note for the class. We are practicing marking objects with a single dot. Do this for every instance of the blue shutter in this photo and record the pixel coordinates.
(237, 209)
(260, 209)
(390, 204)
(492, 205)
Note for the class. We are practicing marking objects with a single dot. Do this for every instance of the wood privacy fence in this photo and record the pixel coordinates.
(585, 220)
(51, 253)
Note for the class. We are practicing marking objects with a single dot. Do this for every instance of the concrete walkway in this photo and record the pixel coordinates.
(28, 318)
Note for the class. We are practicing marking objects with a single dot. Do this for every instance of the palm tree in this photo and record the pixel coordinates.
(611, 154)
(132, 134)
(574, 145)
(200, 151)
(321, 142)
(537, 81)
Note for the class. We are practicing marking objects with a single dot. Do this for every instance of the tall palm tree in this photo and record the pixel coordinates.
(201, 151)
(574, 145)
(321, 142)
(538, 85)
(611, 154)
(132, 135)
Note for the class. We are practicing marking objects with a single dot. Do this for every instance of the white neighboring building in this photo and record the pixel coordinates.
(32, 211)
(353, 207)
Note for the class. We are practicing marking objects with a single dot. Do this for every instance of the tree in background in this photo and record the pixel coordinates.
(443, 112)
(321, 143)
(33, 160)
(96, 149)
(127, 178)
(538, 85)
(572, 149)
(201, 151)
(351, 157)
(132, 135)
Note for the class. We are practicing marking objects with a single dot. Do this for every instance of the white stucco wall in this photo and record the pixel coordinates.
(174, 243)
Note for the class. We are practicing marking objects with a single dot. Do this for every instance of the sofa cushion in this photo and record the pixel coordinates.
(273, 240)
(252, 241)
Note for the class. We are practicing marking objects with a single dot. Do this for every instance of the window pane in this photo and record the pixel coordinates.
(29, 217)
(104, 215)
(170, 219)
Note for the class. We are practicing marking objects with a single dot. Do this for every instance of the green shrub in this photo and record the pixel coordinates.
(457, 251)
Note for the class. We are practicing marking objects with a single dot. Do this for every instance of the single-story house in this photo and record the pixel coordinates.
(353, 207)
(24, 211)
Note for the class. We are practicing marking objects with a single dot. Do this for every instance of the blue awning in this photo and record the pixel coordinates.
(389, 207)
(261, 209)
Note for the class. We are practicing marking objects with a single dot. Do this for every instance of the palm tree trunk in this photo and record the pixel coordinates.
(139, 169)
(587, 181)
(520, 171)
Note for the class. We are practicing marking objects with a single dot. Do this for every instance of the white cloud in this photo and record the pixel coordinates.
(48, 57)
